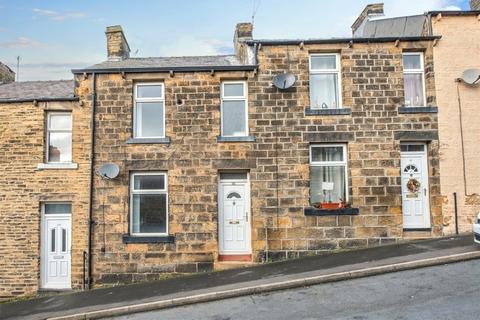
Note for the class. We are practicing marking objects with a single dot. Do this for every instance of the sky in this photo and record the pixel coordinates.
(53, 37)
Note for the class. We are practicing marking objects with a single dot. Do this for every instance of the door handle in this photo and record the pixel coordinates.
(246, 216)
(425, 192)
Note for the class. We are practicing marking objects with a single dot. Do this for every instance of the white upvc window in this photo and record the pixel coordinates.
(328, 175)
(59, 137)
(234, 109)
(325, 81)
(149, 204)
(414, 79)
(149, 110)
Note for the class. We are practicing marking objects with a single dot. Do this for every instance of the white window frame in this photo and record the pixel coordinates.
(138, 125)
(244, 97)
(149, 191)
(49, 130)
(343, 163)
(417, 71)
(337, 70)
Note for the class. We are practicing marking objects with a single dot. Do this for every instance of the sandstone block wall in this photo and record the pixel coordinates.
(372, 88)
(23, 188)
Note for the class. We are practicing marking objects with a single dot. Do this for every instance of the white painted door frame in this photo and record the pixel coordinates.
(412, 217)
(45, 254)
(245, 184)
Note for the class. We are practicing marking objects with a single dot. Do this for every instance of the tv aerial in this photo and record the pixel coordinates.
(471, 76)
(109, 171)
(284, 81)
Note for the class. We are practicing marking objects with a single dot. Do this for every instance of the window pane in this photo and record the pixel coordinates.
(58, 208)
(149, 213)
(413, 89)
(412, 61)
(149, 182)
(233, 90)
(327, 184)
(149, 119)
(149, 91)
(412, 147)
(64, 240)
(334, 153)
(52, 240)
(233, 176)
(60, 147)
(61, 121)
(328, 62)
(324, 91)
(233, 118)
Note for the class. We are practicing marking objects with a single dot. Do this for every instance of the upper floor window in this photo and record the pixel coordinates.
(325, 81)
(414, 79)
(328, 175)
(234, 109)
(149, 111)
(149, 203)
(59, 137)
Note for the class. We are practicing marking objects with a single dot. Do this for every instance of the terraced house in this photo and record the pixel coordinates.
(216, 164)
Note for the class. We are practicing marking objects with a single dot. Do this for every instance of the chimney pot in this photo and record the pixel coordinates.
(117, 45)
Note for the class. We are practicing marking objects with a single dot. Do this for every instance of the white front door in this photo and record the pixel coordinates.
(234, 217)
(55, 261)
(415, 192)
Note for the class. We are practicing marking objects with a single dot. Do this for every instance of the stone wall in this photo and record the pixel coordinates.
(23, 188)
(457, 51)
(372, 88)
(6, 74)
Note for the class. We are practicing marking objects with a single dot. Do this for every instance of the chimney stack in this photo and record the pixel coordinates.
(243, 31)
(371, 10)
(117, 45)
(474, 5)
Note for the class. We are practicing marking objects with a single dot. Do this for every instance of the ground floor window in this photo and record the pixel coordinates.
(148, 203)
(328, 176)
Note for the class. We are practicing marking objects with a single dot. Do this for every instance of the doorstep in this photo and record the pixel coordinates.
(235, 257)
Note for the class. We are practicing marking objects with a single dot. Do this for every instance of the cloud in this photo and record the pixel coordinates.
(59, 16)
(21, 42)
(189, 45)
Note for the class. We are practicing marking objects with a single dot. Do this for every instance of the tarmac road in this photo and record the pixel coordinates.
(442, 292)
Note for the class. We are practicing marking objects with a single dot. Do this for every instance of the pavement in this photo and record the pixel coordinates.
(442, 292)
(120, 300)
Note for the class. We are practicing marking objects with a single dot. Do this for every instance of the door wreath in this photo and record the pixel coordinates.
(413, 185)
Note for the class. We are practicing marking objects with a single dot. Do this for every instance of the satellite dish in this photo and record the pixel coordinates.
(283, 80)
(471, 76)
(109, 170)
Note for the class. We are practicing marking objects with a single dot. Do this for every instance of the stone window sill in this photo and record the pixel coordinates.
(147, 239)
(333, 212)
(165, 140)
(328, 112)
(236, 139)
(406, 109)
(57, 166)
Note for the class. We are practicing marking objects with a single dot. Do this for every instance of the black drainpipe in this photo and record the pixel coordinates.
(92, 175)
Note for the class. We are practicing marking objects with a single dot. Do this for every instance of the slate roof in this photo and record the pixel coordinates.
(37, 90)
(410, 26)
(192, 62)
